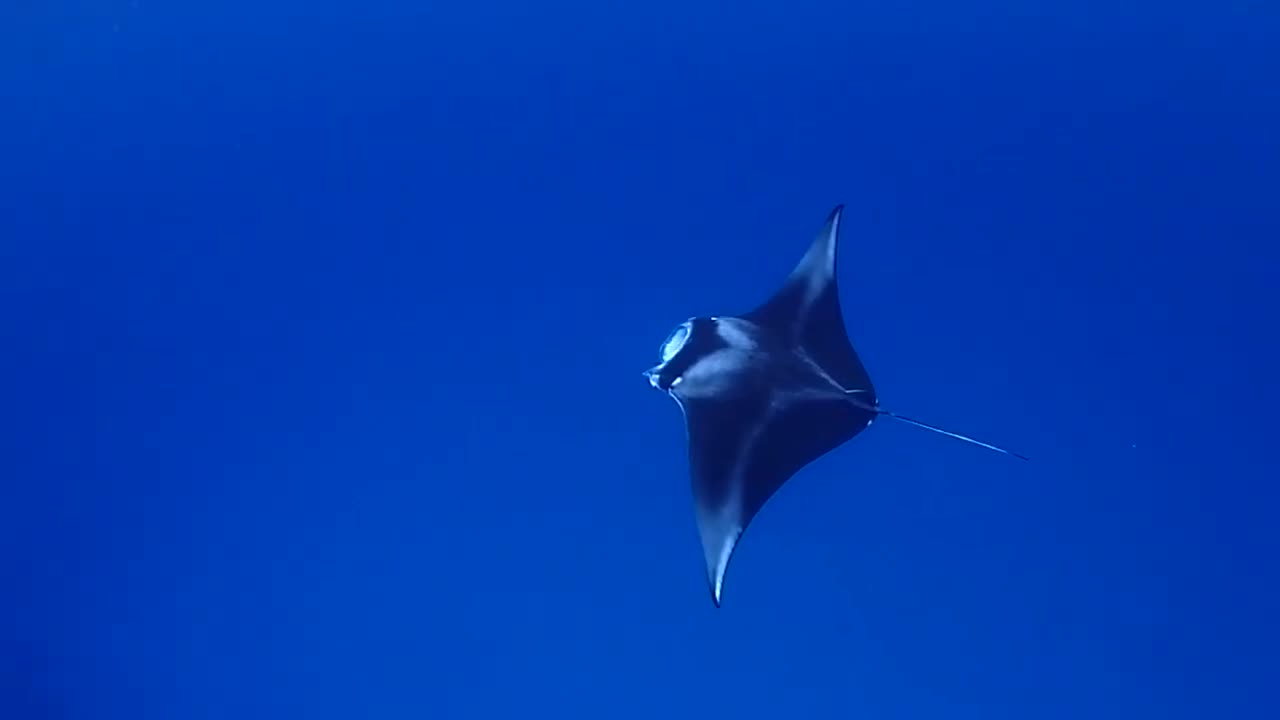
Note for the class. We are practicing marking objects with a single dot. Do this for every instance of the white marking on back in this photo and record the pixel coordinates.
(717, 372)
(738, 334)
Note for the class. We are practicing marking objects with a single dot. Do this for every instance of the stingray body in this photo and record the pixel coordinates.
(764, 394)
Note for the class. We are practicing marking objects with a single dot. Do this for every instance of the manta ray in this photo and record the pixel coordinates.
(766, 393)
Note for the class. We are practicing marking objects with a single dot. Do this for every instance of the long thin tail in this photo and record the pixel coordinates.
(957, 436)
(927, 426)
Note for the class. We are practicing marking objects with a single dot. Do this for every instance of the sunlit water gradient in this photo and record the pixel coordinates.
(323, 326)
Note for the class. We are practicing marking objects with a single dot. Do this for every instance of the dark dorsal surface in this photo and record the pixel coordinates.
(765, 394)
(747, 440)
(806, 312)
(741, 451)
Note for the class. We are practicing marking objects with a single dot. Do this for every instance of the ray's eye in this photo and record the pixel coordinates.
(674, 342)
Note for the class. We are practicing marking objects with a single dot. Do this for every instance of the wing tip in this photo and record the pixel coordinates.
(718, 549)
(833, 218)
(715, 582)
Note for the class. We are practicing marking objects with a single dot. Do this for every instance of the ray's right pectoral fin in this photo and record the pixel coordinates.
(806, 309)
(811, 284)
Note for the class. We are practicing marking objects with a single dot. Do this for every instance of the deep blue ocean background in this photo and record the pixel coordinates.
(323, 324)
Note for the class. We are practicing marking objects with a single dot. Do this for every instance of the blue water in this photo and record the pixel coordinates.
(323, 326)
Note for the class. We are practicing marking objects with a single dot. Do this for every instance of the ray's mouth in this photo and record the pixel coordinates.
(654, 376)
(655, 379)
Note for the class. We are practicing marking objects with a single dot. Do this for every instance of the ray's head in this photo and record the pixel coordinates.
(667, 374)
(688, 341)
(702, 352)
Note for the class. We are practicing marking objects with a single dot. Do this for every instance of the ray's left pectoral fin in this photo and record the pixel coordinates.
(721, 433)
(742, 450)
